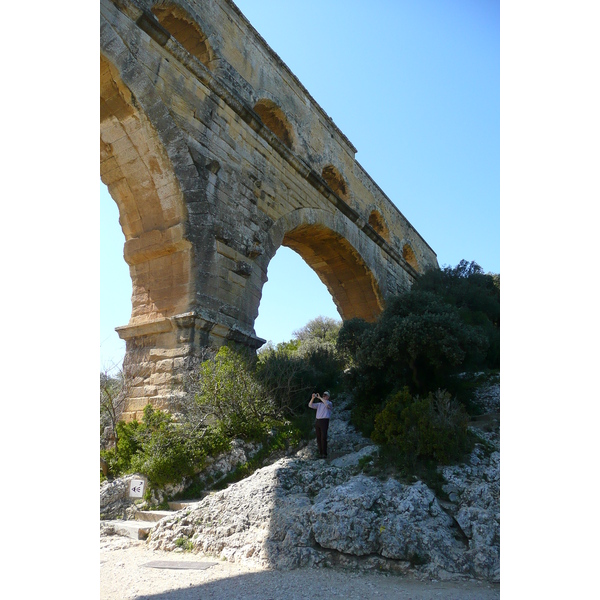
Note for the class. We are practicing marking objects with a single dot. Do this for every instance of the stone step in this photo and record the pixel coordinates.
(136, 530)
(181, 504)
(152, 515)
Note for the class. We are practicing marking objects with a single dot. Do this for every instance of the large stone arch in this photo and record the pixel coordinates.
(146, 166)
(325, 241)
(135, 167)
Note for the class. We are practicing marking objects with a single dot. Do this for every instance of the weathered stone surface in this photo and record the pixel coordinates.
(115, 502)
(475, 489)
(216, 156)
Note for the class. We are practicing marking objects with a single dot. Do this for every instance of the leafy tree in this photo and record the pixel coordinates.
(288, 377)
(289, 348)
(466, 286)
(112, 399)
(351, 337)
(418, 340)
(318, 333)
(474, 293)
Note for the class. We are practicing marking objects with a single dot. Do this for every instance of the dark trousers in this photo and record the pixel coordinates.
(321, 427)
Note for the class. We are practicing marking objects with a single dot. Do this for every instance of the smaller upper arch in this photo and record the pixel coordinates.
(178, 22)
(408, 254)
(335, 180)
(377, 222)
(275, 119)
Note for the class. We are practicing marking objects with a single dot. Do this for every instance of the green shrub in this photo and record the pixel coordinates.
(185, 544)
(161, 449)
(287, 376)
(351, 338)
(119, 458)
(419, 341)
(325, 367)
(433, 428)
(448, 323)
(230, 397)
(168, 453)
(475, 294)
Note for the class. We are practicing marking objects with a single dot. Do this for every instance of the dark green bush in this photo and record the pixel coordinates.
(418, 430)
(351, 337)
(287, 376)
(447, 324)
(325, 369)
(475, 294)
(419, 341)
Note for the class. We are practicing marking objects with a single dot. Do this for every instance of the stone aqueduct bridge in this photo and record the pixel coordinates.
(216, 155)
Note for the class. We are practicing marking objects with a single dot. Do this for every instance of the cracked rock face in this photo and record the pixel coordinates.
(303, 512)
(476, 489)
(114, 498)
(397, 521)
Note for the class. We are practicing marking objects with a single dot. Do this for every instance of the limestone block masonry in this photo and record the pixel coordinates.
(216, 156)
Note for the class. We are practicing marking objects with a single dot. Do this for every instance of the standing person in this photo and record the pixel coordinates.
(323, 408)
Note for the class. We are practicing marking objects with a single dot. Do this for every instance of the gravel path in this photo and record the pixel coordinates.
(123, 576)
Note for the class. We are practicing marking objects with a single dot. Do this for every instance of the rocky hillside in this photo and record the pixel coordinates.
(302, 511)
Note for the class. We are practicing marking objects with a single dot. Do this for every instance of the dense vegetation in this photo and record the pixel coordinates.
(402, 372)
(233, 395)
(448, 323)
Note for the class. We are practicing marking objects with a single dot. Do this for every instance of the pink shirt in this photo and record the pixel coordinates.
(323, 409)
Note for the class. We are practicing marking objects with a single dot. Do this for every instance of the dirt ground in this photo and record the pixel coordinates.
(124, 576)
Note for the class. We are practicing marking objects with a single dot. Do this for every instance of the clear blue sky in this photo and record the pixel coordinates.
(415, 86)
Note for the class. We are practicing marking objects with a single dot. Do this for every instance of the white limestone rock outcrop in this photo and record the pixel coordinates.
(296, 513)
(115, 502)
(475, 489)
(305, 512)
(301, 511)
(402, 522)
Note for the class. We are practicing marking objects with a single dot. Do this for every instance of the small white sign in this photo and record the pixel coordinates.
(136, 488)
